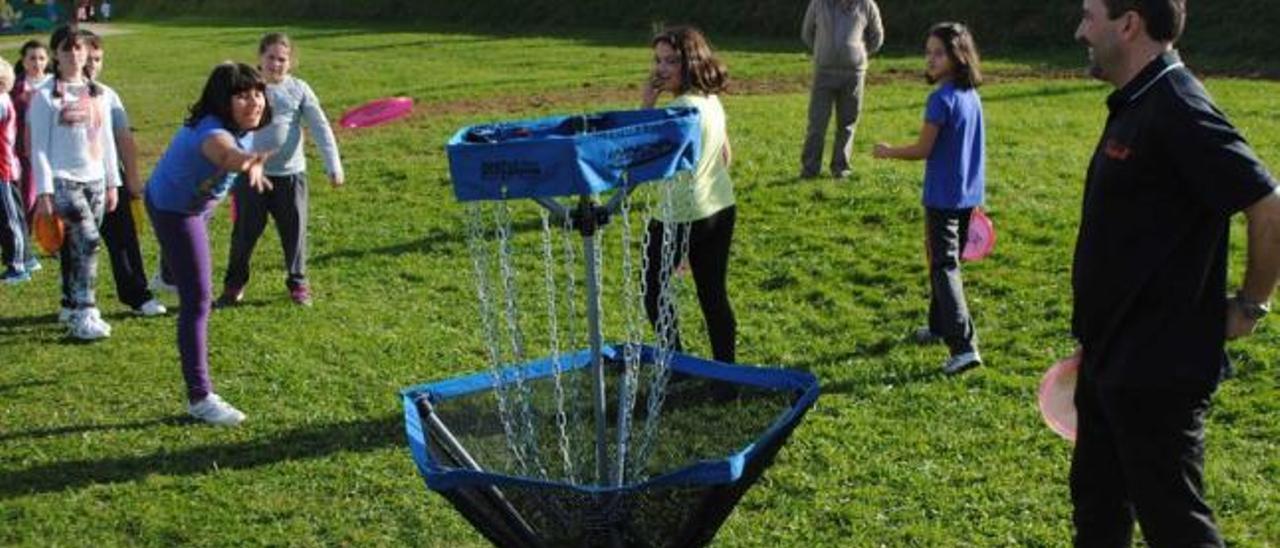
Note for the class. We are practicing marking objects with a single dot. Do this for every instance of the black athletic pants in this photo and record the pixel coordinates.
(709, 241)
(1140, 455)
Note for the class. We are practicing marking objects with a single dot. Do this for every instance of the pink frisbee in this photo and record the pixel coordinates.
(1057, 397)
(377, 112)
(981, 238)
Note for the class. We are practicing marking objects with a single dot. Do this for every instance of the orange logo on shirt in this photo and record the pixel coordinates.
(1116, 150)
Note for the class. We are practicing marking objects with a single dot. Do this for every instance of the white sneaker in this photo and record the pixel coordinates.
(151, 308)
(86, 328)
(213, 410)
(96, 316)
(157, 284)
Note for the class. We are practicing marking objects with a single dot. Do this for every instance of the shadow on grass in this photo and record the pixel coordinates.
(299, 444)
(435, 241)
(863, 379)
(80, 429)
(16, 322)
(889, 377)
(24, 384)
(1059, 52)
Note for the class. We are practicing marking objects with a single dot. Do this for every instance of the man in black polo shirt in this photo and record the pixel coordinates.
(1151, 312)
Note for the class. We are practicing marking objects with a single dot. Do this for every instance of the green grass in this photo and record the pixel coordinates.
(826, 276)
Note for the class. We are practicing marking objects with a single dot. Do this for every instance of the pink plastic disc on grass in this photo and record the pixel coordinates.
(1057, 397)
(981, 238)
(377, 112)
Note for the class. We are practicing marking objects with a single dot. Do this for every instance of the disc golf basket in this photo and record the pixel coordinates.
(625, 444)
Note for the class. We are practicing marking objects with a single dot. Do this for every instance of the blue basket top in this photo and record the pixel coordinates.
(572, 155)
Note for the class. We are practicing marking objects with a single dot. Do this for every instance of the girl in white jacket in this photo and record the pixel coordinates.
(74, 167)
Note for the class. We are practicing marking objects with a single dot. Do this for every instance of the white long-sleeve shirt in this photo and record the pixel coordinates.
(292, 102)
(74, 150)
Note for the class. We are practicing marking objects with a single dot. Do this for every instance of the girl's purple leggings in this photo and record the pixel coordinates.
(184, 242)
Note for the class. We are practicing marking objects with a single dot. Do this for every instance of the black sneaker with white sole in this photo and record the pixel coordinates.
(962, 362)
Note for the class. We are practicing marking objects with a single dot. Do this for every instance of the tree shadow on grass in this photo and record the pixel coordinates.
(299, 444)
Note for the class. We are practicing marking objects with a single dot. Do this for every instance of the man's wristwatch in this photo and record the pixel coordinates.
(1253, 311)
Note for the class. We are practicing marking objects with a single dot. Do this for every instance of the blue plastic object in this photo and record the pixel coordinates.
(722, 425)
(572, 155)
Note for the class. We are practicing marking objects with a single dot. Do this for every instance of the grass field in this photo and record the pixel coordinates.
(826, 276)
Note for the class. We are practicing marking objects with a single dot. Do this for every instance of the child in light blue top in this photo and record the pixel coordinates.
(951, 142)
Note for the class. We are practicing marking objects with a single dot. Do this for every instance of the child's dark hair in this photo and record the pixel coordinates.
(272, 39)
(700, 68)
(91, 38)
(225, 82)
(65, 39)
(20, 70)
(962, 51)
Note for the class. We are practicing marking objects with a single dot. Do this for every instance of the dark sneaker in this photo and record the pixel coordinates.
(301, 295)
(157, 284)
(15, 277)
(924, 335)
(231, 296)
(960, 363)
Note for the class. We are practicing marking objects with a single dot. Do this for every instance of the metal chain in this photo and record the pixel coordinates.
(674, 236)
(506, 262)
(632, 309)
(553, 336)
(573, 321)
(488, 317)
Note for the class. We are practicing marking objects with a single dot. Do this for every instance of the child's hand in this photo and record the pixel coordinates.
(257, 179)
(683, 268)
(44, 205)
(652, 88)
(881, 150)
(336, 179)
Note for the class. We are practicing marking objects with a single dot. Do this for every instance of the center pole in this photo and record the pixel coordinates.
(597, 358)
(587, 218)
(588, 227)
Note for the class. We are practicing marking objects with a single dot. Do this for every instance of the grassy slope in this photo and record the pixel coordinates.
(826, 276)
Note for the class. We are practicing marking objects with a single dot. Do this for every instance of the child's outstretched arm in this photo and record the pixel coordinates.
(323, 134)
(223, 152)
(916, 151)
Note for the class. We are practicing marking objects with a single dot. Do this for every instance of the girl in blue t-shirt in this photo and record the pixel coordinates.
(951, 143)
(195, 172)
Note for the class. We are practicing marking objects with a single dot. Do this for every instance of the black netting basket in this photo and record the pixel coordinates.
(715, 429)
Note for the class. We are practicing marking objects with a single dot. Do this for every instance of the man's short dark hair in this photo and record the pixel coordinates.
(1165, 18)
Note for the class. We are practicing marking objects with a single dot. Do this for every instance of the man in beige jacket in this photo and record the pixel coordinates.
(842, 34)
